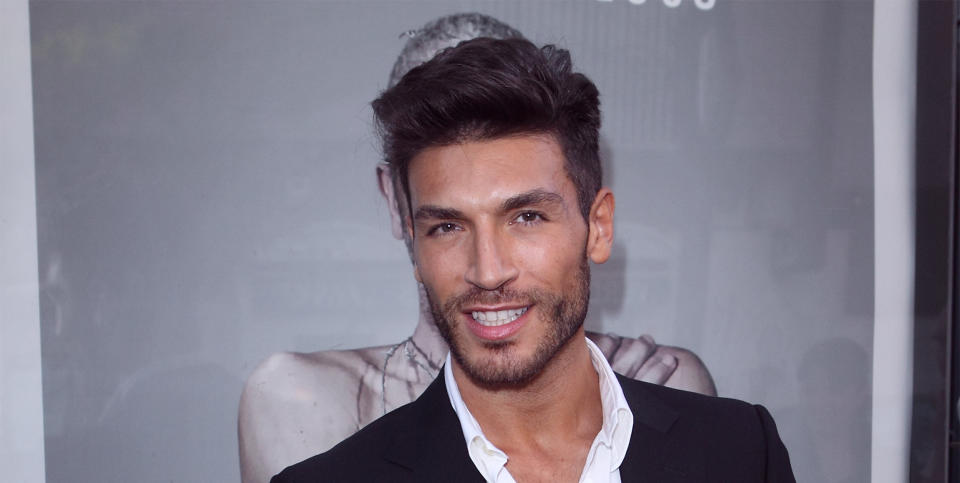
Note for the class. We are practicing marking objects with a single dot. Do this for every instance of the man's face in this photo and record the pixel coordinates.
(500, 245)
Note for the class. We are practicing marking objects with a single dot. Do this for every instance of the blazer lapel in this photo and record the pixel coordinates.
(650, 456)
(430, 443)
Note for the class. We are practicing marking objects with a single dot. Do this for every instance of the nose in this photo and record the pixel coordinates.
(491, 264)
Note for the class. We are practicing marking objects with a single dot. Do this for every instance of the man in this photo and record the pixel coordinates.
(296, 405)
(494, 144)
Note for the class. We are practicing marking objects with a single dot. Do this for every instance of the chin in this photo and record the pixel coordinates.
(506, 364)
(505, 370)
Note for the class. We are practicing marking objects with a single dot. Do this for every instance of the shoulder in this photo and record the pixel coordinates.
(291, 381)
(285, 371)
(734, 436)
(683, 409)
(366, 454)
(297, 404)
(353, 459)
(419, 441)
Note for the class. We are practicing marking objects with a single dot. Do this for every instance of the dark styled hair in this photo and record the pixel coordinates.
(485, 89)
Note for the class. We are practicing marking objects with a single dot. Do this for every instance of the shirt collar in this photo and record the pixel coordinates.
(615, 432)
(488, 459)
(617, 416)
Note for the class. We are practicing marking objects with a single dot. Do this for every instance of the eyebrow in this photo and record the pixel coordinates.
(434, 212)
(530, 198)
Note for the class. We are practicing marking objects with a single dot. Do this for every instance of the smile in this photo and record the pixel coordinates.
(496, 318)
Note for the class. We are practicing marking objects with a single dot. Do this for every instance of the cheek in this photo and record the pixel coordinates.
(552, 263)
(438, 266)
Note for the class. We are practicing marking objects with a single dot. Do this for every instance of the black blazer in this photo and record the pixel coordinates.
(677, 436)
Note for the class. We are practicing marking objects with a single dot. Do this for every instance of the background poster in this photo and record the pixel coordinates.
(206, 197)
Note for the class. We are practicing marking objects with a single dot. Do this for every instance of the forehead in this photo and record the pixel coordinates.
(488, 169)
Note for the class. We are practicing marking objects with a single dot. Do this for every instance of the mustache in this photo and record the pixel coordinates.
(479, 296)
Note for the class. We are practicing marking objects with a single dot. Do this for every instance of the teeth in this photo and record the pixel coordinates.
(498, 317)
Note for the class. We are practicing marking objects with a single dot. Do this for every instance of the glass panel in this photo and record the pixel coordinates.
(207, 198)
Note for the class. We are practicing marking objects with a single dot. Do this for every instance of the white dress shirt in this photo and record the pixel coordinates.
(608, 448)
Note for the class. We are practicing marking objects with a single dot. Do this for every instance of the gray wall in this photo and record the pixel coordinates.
(206, 197)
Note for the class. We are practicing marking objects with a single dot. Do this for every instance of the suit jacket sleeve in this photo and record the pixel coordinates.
(778, 468)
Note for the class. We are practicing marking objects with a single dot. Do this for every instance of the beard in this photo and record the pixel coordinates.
(563, 314)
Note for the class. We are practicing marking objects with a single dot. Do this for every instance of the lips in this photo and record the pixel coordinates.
(497, 324)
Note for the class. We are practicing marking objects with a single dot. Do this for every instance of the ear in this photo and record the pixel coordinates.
(600, 236)
(385, 182)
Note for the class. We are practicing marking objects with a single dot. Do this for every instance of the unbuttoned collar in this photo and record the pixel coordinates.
(615, 432)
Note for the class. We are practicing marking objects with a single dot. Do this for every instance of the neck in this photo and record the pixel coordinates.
(560, 402)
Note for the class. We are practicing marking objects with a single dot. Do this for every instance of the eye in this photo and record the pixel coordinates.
(528, 218)
(441, 229)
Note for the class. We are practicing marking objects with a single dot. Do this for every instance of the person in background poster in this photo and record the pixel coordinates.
(295, 405)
